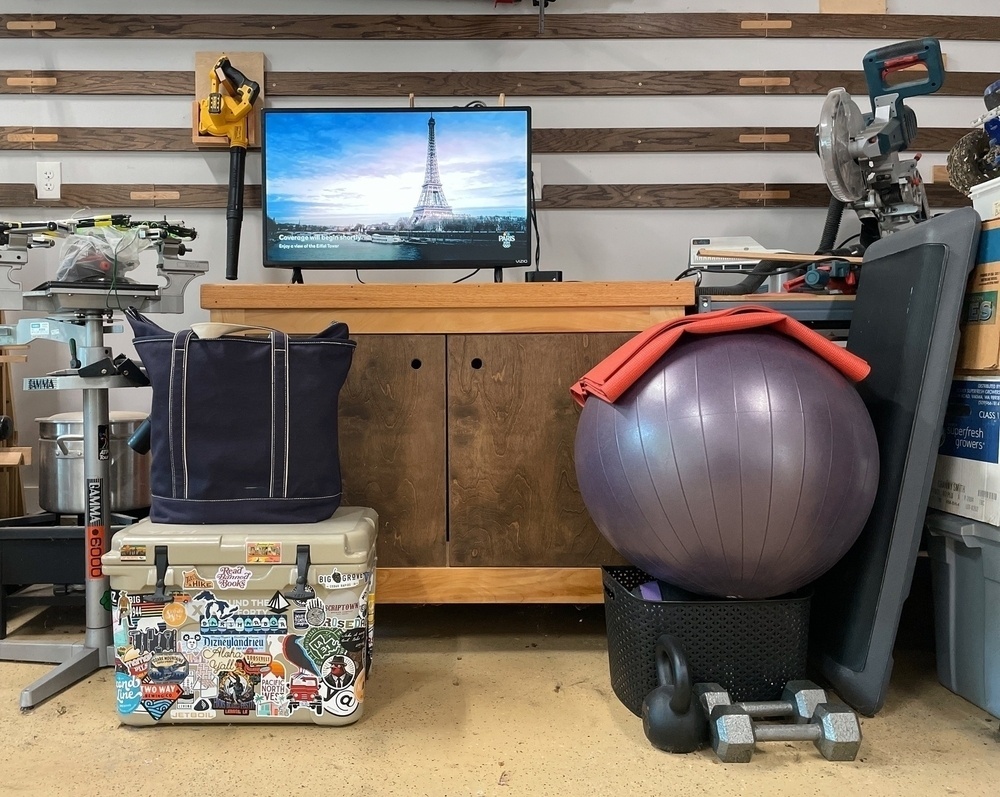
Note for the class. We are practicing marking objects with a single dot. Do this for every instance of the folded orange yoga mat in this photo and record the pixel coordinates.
(620, 369)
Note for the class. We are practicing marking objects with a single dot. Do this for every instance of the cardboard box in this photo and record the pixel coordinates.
(979, 348)
(986, 199)
(967, 477)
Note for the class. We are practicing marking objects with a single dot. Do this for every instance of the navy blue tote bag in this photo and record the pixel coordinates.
(243, 429)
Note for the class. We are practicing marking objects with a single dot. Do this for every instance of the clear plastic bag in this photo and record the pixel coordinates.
(100, 253)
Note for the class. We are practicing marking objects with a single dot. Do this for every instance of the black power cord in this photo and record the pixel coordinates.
(534, 222)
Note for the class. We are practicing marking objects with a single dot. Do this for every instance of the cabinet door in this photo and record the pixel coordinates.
(514, 499)
(392, 444)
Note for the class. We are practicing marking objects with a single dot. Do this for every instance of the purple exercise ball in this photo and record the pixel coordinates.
(740, 465)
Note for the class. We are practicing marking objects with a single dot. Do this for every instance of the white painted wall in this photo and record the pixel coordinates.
(585, 245)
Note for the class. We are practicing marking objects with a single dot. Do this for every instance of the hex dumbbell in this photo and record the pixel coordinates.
(798, 700)
(833, 728)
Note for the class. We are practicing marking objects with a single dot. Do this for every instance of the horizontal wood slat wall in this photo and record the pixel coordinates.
(97, 195)
(543, 140)
(711, 195)
(554, 197)
(477, 84)
(497, 26)
(482, 84)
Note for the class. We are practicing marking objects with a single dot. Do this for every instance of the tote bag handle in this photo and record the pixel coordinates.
(177, 420)
(210, 330)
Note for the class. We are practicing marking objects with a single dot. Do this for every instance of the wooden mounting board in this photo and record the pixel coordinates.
(477, 84)
(554, 197)
(543, 140)
(845, 19)
(852, 6)
(252, 65)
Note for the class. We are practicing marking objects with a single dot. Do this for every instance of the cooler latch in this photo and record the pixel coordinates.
(302, 591)
(160, 563)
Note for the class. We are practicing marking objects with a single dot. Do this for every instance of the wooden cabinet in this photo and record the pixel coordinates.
(512, 491)
(464, 444)
(457, 426)
(393, 444)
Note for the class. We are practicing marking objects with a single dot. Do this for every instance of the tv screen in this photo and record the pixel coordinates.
(396, 187)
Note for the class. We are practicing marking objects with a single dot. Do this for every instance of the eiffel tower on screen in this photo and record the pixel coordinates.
(432, 203)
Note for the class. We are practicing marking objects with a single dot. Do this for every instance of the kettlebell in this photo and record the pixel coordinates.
(671, 718)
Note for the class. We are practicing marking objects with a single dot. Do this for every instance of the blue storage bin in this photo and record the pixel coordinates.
(965, 570)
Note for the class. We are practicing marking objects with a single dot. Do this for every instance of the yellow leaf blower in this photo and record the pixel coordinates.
(224, 113)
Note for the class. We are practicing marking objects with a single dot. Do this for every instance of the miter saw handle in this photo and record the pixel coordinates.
(881, 63)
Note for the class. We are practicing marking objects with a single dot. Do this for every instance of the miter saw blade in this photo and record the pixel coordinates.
(840, 121)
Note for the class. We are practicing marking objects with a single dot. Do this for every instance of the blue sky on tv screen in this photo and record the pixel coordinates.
(346, 167)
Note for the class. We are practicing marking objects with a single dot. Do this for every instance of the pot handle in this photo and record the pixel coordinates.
(61, 442)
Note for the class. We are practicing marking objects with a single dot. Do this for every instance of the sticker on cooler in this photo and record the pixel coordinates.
(133, 553)
(228, 577)
(193, 580)
(339, 697)
(338, 580)
(263, 553)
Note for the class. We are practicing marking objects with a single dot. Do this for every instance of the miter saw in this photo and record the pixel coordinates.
(859, 151)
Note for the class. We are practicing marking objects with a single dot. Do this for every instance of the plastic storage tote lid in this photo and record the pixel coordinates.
(965, 529)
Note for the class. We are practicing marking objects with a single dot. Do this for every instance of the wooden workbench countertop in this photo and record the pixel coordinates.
(451, 308)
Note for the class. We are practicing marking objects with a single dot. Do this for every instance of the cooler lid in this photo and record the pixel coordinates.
(347, 538)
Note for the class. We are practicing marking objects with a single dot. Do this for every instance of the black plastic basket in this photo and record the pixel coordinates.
(751, 647)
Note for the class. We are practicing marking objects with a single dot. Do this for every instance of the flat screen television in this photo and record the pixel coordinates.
(350, 188)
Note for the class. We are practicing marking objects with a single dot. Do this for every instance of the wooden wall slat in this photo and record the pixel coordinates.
(479, 84)
(543, 140)
(379, 26)
(938, 139)
(718, 195)
(102, 82)
(100, 139)
(803, 195)
(643, 139)
(497, 26)
(9, 78)
(514, 84)
(956, 84)
(74, 195)
(9, 136)
(554, 197)
(706, 139)
(815, 195)
(206, 196)
(942, 195)
(888, 26)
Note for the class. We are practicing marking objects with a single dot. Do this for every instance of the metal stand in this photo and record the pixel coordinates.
(77, 661)
(78, 312)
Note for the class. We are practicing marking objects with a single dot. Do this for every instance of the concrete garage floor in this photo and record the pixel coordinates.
(480, 700)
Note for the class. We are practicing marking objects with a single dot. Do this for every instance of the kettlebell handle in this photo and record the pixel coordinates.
(672, 670)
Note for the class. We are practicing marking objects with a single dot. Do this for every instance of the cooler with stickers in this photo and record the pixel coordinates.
(248, 623)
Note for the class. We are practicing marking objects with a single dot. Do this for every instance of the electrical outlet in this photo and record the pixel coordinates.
(48, 180)
(536, 176)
